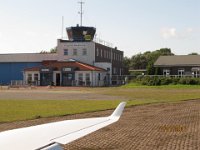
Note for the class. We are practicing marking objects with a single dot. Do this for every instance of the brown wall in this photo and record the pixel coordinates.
(107, 54)
(174, 70)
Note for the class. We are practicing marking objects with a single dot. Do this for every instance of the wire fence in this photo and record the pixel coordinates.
(124, 79)
(114, 81)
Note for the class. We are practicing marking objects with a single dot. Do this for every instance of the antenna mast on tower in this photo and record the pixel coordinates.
(62, 27)
(81, 12)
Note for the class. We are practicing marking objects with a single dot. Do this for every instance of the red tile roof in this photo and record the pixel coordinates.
(37, 68)
(60, 64)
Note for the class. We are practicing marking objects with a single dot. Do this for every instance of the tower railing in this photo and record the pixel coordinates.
(103, 42)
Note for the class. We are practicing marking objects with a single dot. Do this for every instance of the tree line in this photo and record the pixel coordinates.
(146, 60)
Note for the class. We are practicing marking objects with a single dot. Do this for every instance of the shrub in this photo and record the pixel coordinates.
(166, 81)
(155, 80)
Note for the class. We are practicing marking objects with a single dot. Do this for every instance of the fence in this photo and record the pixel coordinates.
(21, 83)
(123, 79)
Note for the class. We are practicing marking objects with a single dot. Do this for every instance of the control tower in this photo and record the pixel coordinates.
(81, 33)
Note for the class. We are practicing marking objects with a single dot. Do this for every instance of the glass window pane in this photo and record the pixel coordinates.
(65, 51)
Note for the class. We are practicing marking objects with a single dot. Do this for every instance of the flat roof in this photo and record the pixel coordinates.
(27, 57)
(178, 60)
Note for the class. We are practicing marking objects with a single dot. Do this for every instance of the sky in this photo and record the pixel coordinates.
(133, 26)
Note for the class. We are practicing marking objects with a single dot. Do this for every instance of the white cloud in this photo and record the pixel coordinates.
(168, 33)
(173, 33)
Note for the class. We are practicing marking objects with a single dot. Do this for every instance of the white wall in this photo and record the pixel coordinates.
(105, 65)
(32, 74)
(89, 58)
(93, 77)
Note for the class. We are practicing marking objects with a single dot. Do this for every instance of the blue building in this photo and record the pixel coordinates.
(13, 65)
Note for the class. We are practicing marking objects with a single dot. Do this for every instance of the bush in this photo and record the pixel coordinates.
(166, 81)
(189, 81)
(155, 81)
(182, 81)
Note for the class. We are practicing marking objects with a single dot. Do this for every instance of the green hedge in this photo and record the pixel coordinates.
(154, 80)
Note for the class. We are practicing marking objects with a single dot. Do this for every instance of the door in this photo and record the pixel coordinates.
(57, 79)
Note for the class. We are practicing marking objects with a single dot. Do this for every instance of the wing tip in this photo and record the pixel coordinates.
(118, 111)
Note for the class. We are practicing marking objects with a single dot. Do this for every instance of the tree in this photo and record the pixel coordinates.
(193, 53)
(154, 56)
(52, 50)
(126, 62)
(147, 60)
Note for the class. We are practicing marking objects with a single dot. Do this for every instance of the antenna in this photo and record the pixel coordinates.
(81, 12)
(62, 27)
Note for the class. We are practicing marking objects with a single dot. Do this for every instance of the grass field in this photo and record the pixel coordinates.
(13, 110)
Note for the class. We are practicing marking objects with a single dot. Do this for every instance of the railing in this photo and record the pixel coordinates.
(105, 43)
(20, 83)
(123, 79)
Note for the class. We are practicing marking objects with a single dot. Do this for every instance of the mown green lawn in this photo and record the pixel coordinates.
(171, 93)
(14, 110)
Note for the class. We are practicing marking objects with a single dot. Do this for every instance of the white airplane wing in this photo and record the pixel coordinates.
(50, 136)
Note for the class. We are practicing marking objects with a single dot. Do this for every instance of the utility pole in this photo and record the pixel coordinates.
(81, 12)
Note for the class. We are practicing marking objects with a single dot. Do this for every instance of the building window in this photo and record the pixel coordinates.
(196, 72)
(87, 78)
(29, 78)
(80, 79)
(106, 54)
(97, 52)
(35, 77)
(114, 70)
(84, 52)
(75, 52)
(101, 53)
(166, 72)
(181, 72)
(65, 51)
(99, 76)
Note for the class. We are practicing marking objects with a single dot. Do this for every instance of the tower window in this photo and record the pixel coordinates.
(84, 52)
(65, 51)
(75, 52)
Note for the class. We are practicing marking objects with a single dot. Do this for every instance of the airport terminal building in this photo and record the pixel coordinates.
(79, 61)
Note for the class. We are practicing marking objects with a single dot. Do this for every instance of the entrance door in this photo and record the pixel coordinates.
(57, 79)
